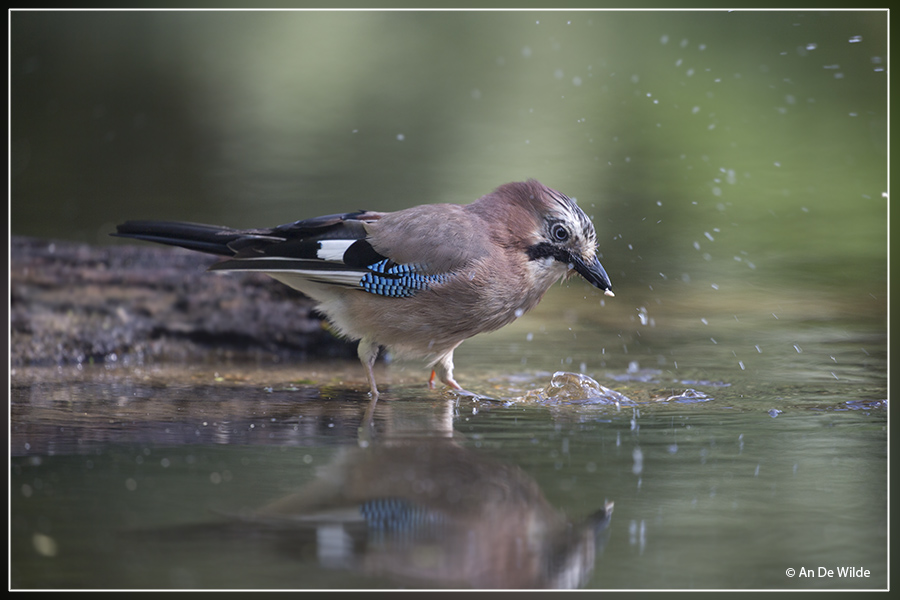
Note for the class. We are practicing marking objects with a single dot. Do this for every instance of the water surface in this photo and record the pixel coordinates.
(258, 476)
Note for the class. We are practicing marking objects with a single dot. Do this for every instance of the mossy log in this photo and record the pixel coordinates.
(72, 303)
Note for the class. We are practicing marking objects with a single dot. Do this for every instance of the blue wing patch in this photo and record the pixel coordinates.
(398, 516)
(386, 278)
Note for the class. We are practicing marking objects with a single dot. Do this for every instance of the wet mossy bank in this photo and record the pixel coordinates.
(72, 303)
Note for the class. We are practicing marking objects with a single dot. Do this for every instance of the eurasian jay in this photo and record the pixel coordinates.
(417, 281)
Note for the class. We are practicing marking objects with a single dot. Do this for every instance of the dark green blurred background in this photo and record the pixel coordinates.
(705, 145)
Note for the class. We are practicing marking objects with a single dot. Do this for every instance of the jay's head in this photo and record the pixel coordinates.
(549, 228)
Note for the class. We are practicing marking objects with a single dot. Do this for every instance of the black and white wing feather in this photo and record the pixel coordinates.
(331, 250)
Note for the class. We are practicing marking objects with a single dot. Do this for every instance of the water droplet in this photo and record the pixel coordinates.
(44, 544)
(638, 458)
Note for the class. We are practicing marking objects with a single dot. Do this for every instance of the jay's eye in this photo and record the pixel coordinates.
(559, 233)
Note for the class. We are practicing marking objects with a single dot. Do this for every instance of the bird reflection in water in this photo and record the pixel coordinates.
(432, 513)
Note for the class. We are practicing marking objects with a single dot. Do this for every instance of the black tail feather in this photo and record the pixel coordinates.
(211, 239)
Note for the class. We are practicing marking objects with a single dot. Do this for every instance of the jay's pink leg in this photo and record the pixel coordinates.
(443, 369)
(452, 382)
(368, 353)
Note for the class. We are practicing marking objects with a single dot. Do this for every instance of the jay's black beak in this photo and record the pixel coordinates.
(593, 272)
